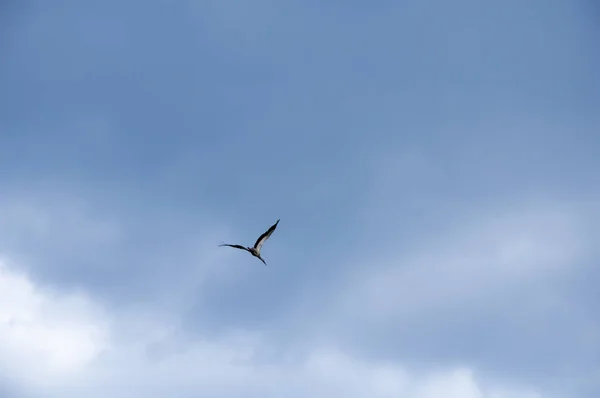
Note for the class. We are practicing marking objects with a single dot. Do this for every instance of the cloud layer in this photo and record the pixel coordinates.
(355, 342)
(64, 345)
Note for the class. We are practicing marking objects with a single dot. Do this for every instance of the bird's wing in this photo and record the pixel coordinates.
(261, 240)
(235, 246)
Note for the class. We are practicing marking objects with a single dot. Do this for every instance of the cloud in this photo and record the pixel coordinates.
(46, 337)
(421, 304)
(43, 230)
(499, 287)
(74, 242)
(64, 344)
(472, 263)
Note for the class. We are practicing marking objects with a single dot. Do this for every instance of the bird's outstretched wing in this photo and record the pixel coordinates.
(261, 240)
(235, 246)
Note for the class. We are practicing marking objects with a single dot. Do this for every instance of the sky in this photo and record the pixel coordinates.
(435, 166)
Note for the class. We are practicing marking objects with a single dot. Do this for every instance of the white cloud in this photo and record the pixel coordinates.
(58, 344)
(45, 337)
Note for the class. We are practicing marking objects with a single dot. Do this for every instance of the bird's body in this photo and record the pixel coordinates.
(255, 250)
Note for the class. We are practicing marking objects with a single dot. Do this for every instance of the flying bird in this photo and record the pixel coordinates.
(255, 251)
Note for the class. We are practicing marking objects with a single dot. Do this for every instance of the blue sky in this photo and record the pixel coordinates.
(435, 166)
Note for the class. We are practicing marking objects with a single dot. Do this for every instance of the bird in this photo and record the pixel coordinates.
(255, 250)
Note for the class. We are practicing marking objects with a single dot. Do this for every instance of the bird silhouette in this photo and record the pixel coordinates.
(255, 251)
